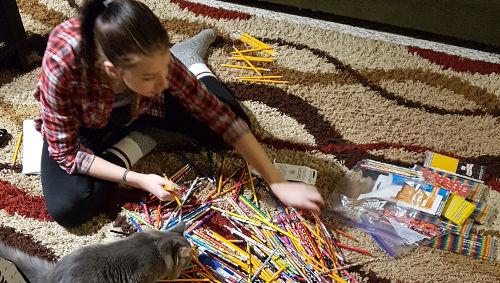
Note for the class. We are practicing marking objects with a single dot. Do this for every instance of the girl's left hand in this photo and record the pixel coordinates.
(298, 195)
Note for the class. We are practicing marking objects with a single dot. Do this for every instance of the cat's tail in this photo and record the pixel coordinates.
(34, 268)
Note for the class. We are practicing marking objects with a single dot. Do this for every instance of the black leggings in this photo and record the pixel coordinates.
(71, 200)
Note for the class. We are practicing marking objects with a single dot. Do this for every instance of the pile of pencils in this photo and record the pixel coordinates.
(235, 241)
(242, 56)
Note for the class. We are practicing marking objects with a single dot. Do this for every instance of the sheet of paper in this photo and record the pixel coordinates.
(9, 272)
(32, 148)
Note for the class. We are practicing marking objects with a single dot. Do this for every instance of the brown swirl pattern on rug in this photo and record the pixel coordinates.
(348, 98)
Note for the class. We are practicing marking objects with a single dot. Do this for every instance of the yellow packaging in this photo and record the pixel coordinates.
(445, 163)
(457, 209)
(455, 166)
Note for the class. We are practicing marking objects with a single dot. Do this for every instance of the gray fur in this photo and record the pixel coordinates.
(142, 257)
(34, 268)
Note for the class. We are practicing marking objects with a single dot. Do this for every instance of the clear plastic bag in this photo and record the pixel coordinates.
(392, 204)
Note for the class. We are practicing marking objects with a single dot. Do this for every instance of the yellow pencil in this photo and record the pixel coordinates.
(295, 244)
(260, 78)
(225, 241)
(245, 67)
(248, 62)
(275, 274)
(209, 275)
(265, 81)
(254, 50)
(249, 264)
(172, 190)
(219, 187)
(254, 44)
(251, 58)
(252, 41)
(312, 231)
(252, 186)
(274, 226)
(177, 200)
(17, 147)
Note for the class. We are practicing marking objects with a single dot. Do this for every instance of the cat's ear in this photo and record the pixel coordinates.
(184, 256)
(179, 228)
(185, 252)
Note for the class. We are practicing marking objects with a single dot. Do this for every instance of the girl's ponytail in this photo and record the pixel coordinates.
(87, 53)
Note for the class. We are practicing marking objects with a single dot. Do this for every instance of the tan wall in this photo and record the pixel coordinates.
(476, 20)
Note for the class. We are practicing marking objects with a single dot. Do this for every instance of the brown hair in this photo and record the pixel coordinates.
(118, 28)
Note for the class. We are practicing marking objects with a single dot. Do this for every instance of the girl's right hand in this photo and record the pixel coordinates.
(154, 184)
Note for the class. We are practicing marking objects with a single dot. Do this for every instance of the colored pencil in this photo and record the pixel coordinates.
(146, 211)
(137, 218)
(263, 265)
(158, 216)
(353, 248)
(237, 216)
(139, 229)
(346, 235)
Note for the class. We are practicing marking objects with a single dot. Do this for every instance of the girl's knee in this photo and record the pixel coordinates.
(68, 215)
(73, 206)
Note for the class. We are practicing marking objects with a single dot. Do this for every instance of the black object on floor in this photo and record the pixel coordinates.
(13, 41)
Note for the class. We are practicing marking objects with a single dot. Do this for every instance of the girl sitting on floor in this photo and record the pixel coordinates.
(109, 71)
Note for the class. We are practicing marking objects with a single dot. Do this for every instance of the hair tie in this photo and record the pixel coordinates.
(107, 2)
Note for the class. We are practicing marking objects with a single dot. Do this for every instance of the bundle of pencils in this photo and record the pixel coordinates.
(284, 248)
(253, 42)
(235, 241)
(242, 55)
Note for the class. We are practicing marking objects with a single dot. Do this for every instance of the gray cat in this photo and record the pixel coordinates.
(142, 257)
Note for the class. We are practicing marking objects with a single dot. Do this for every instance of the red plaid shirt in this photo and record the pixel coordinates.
(68, 102)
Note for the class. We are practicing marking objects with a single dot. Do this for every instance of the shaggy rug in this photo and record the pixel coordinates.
(349, 97)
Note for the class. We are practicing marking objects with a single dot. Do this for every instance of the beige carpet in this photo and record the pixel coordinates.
(348, 98)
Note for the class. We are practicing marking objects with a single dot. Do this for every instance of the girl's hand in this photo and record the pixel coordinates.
(298, 195)
(154, 184)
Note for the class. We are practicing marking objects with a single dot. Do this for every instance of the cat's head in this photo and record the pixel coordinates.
(175, 250)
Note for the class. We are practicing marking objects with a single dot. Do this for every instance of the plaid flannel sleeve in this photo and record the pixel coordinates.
(203, 105)
(60, 125)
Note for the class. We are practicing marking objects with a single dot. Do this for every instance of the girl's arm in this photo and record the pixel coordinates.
(298, 195)
(152, 183)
